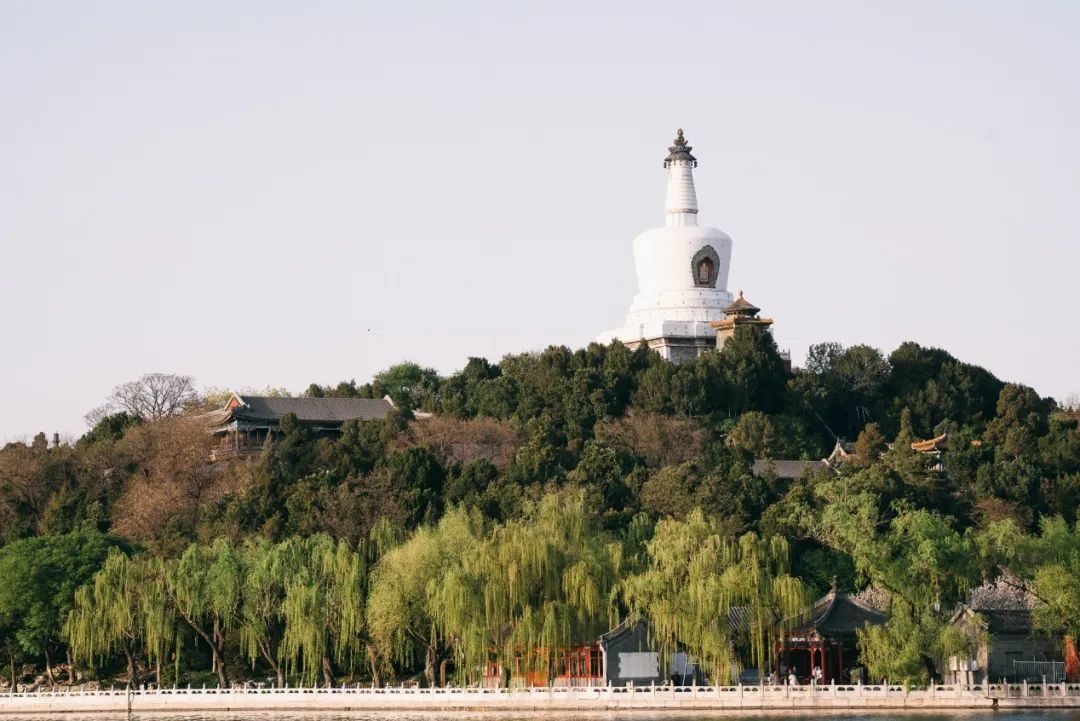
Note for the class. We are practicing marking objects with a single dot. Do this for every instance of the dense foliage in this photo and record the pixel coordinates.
(551, 496)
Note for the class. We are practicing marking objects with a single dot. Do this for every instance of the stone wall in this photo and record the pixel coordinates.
(1004, 648)
(611, 698)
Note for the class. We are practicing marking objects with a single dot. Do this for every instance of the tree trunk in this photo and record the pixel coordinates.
(71, 666)
(264, 649)
(218, 647)
(130, 665)
(157, 673)
(373, 660)
(328, 676)
(216, 642)
(14, 678)
(48, 668)
(429, 667)
(219, 668)
(442, 672)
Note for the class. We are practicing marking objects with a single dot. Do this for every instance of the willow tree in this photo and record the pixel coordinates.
(260, 622)
(122, 610)
(917, 555)
(540, 583)
(696, 576)
(104, 617)
(205, 585)
(323, 607)
(347, 574)
(402, 610)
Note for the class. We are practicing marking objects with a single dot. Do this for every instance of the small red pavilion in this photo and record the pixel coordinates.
(577, 666)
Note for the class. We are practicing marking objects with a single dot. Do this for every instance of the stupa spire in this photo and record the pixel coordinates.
(680, 150)
(681, 206)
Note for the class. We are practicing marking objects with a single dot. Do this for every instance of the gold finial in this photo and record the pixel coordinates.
(740, 295)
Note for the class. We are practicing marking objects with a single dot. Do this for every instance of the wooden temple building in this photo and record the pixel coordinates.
(247, 423)
(825, 638)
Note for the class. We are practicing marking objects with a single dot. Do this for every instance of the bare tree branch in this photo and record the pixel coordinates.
(152, 397)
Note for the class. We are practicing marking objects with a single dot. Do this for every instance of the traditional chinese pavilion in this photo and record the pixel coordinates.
(247, 423)
(825, 637)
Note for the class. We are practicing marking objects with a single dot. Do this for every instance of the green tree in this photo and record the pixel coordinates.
(936, 387)
(123, 609)
(462, 394)
(417, 475)
(1046, 564)
(110, 428)
(540, 582)
(402, 611)
(411, 386)
(695, 575)
(753, 372)
(38, 580)
(205, 586)
(763, 436)
(323, 607)
(603, 474)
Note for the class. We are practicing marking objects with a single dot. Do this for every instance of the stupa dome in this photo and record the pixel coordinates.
(682, 271)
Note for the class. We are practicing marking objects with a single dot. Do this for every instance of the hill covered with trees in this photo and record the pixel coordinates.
(551, 495)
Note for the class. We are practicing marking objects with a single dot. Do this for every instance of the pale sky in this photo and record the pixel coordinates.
(279, 193)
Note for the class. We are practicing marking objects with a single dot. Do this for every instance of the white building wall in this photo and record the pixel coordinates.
(672, 309)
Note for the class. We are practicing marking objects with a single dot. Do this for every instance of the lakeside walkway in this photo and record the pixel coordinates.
(609, 698)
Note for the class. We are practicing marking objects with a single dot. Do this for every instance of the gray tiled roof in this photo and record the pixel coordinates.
(838, 614)
(1005, 620)
(312, 410)
(785, 469)
(624, 627)
(744, 619)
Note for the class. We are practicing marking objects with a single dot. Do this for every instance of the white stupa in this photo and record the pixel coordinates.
(682, 272)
